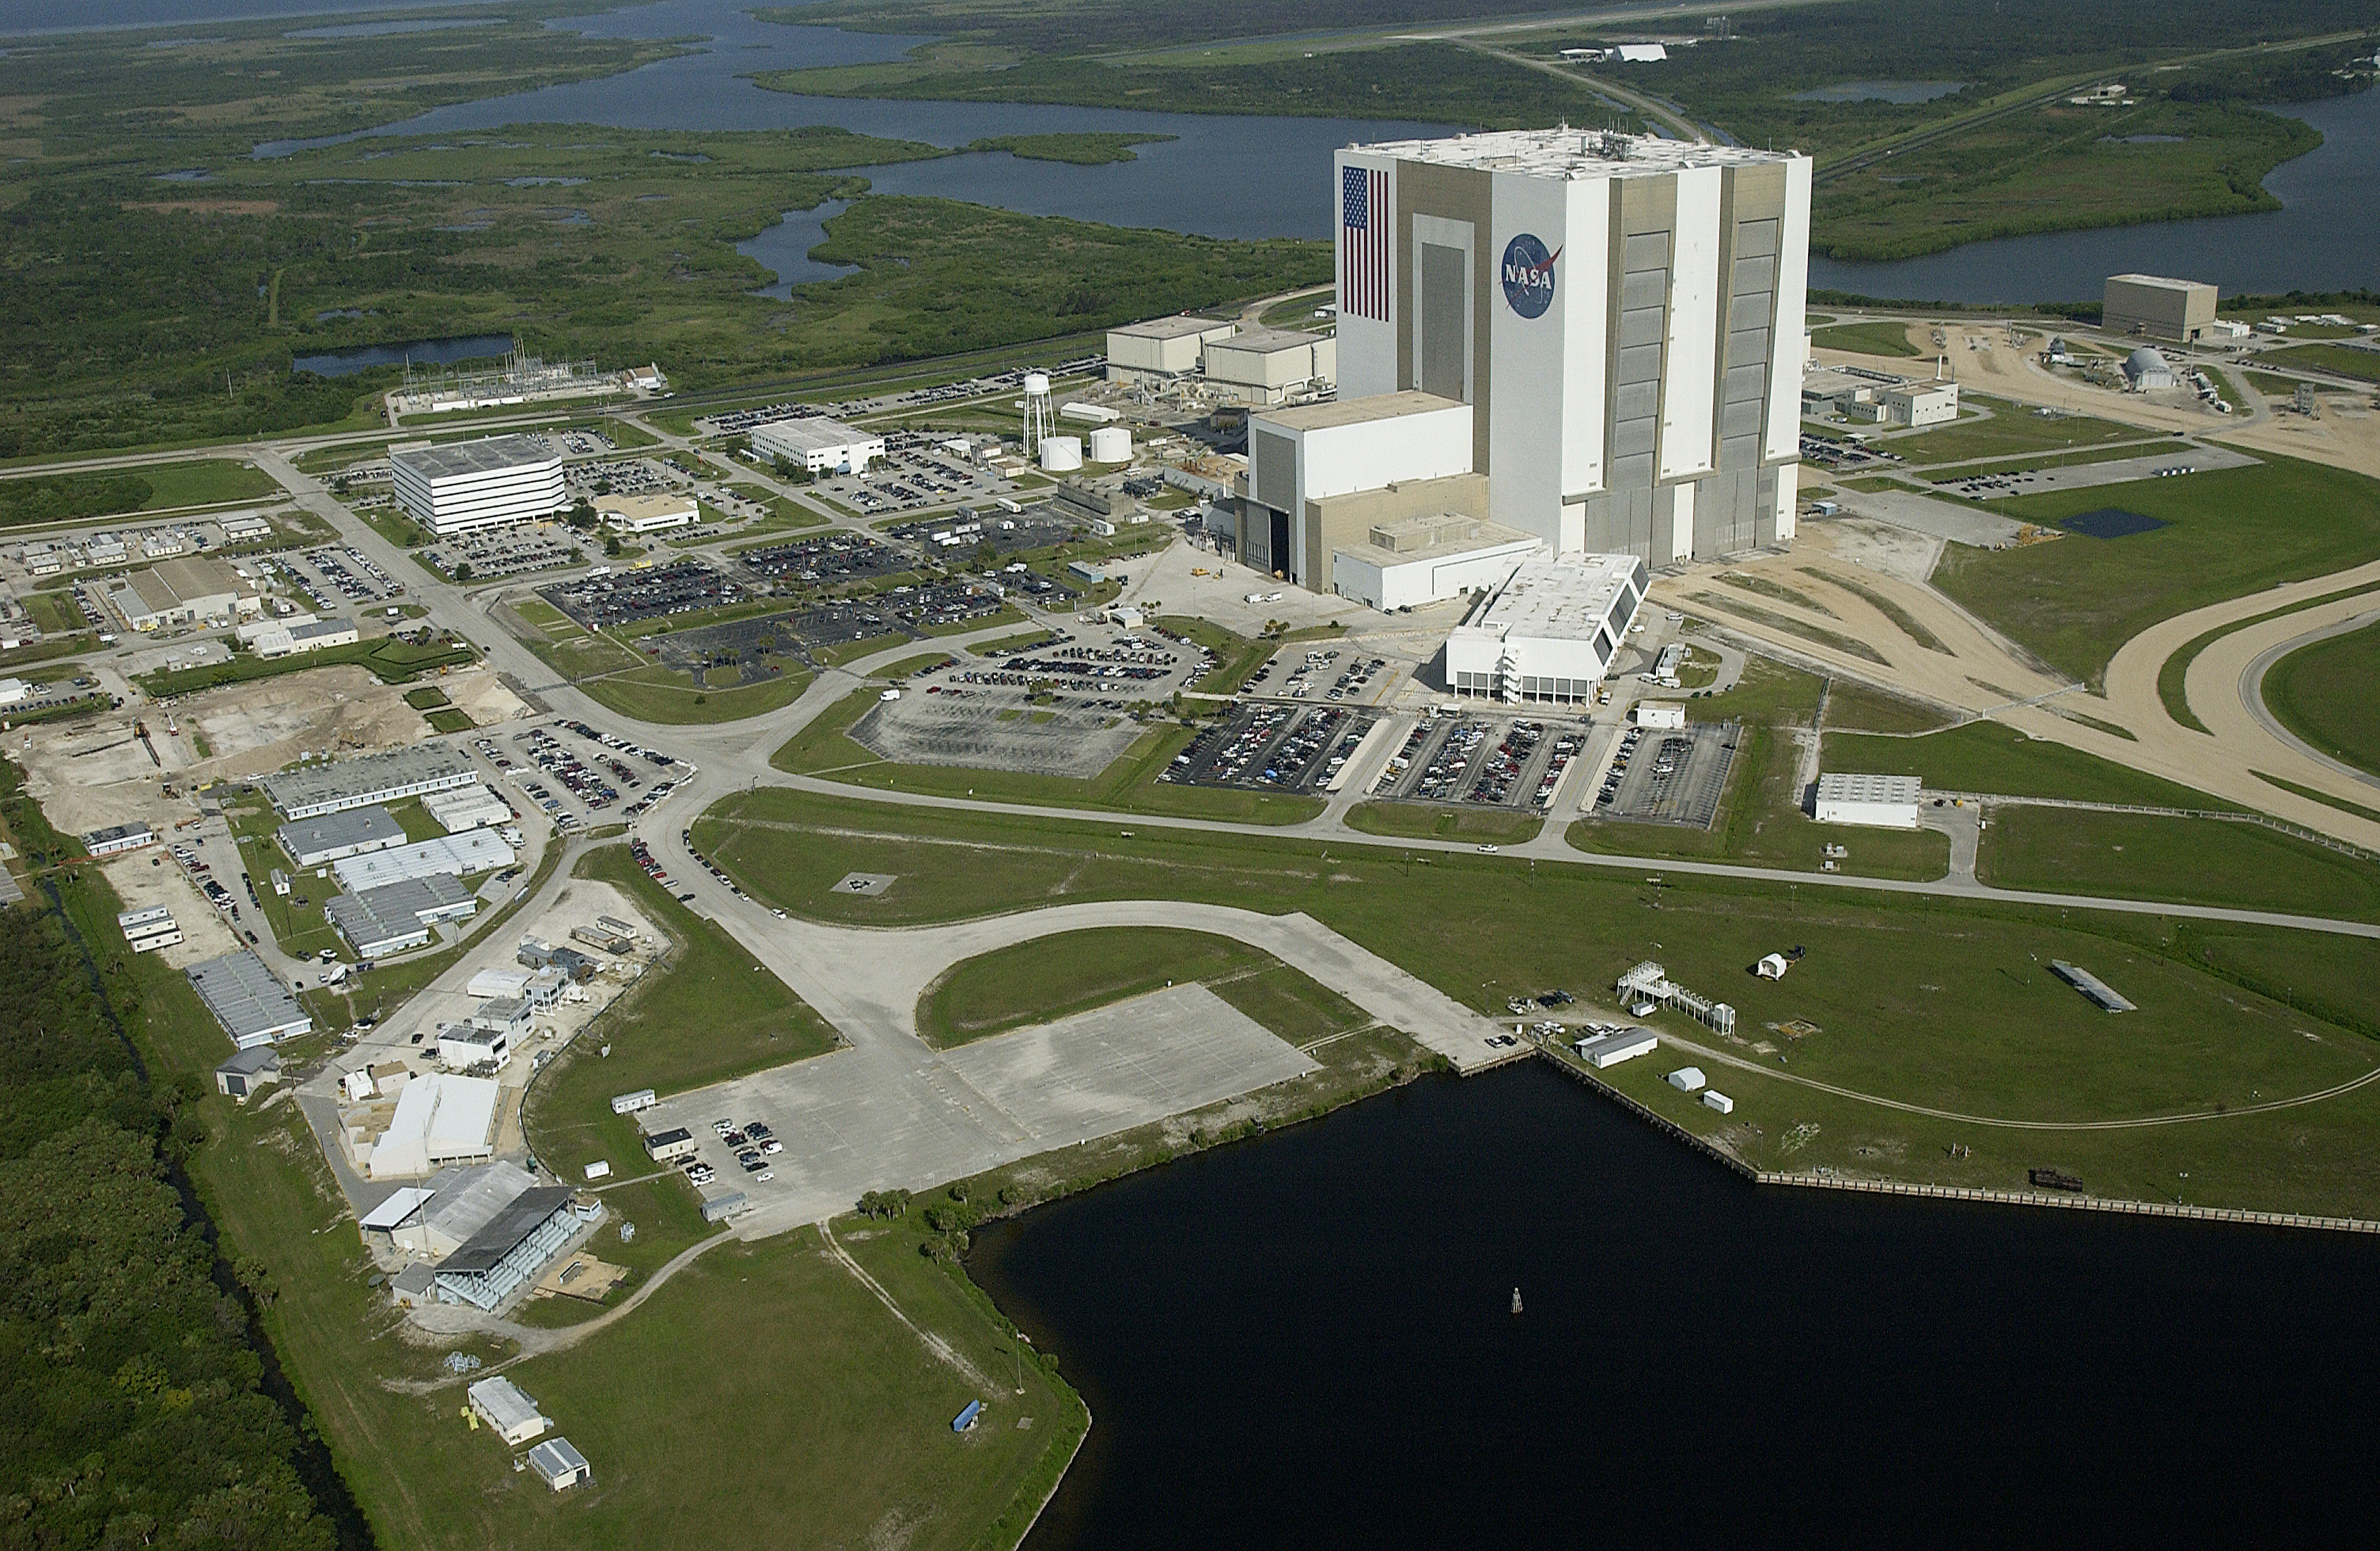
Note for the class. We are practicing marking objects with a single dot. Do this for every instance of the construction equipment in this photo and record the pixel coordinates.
(140, 731)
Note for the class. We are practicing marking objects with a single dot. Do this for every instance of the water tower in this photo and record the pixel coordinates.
(1036, 410)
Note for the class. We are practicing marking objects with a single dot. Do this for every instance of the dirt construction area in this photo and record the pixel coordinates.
(89, 773)
(144, 879)
(995, 734)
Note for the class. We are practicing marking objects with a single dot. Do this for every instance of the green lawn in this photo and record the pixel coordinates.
(2342, 360)
(449, 718)
(1997, 760)
(2010, 428)
(660, 695)
(1236, 657)
(1854, 707)
(825, 748)
(2232, 531)
(2329, 694)
(713, 1014)
(1052, 978)
(2189, 861)
(1875, 338)
(1430, 820)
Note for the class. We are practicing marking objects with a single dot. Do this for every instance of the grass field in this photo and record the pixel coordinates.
(2232, 532)
(2341, 360)
(2011, 429)
(1939, 1003)
(2189, 861)
(1053, 977)
(660, 695)
(714, 1013)
(1430, 820)
(1854, 707)
(2329, 694)
(1878, 338)
(1987, 758)
(825, 748)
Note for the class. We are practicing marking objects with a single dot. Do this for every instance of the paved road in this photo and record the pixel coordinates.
(2251, 680)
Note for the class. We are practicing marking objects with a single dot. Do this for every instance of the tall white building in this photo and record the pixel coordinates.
(1624, 314)
(487, 483)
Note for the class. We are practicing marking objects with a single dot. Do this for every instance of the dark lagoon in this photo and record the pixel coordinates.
(426, 352)
(1306, 1341)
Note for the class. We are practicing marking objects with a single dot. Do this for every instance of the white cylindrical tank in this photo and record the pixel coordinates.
(1061, 455)
(1110, 445)
(1036, 381)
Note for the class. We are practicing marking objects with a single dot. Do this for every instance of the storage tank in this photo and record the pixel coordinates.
(1037, 382)
(1061, 455)
(1110, 445)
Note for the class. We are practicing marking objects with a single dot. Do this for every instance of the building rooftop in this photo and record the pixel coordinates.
(393, 910)
(1853, 786)
(1357, 411)
(357, 827)
(2163, 282)
(363, 779)
(1568, 154)
(816, 433)
(485, 1249)
(466, 850)
(114, 831)
(504, 1403)
(462, 1201)
(248, 1063)
(2091, 985)
(1172, 328)
(1400, 540)
(399, 1204)
(1561, 596)
(245, 1000)
(554, 1458)
(1263, 342)
(491, 454)
(634, 507)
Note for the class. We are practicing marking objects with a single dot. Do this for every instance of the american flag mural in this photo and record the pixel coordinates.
(1364, 237)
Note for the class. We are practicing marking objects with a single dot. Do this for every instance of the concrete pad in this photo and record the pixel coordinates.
(1117, 1067)
(1923, 514)
(871, 884)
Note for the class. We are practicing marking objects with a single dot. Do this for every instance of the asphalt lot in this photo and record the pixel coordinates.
(1669, 777)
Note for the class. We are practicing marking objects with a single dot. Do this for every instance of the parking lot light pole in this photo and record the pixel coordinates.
(1017, 1351)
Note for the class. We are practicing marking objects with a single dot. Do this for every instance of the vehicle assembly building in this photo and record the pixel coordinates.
(1623, 314)
(468, 485)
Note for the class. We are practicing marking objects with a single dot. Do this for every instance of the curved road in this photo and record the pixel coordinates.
(2251, 680)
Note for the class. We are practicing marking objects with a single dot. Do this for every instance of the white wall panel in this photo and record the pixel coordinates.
(1687, 387)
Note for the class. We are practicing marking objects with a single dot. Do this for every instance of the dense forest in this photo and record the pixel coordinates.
(131, 1410)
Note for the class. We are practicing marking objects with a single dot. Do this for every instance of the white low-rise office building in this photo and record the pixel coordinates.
(817, 446)
(647, 513)
(330, 837)
(145, 932)
(1162, 349)
(1410, 561)
(1552, 632)
(440, 1118)
(1270, 366)
(465, 486)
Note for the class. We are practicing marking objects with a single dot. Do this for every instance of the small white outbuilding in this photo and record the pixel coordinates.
(1772, 966)
(1719, 1101)
(1687, 1079)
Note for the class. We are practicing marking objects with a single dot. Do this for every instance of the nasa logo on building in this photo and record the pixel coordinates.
(1529, 276)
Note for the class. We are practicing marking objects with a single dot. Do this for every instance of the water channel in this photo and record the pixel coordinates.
(1305, 1340)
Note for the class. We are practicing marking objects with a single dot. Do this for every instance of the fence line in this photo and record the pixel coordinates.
(1945, 1192)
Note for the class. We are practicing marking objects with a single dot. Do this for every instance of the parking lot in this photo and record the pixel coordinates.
(826, 558)
(1125, 666)
(331, 578)
(1324, 673)
(1663, 777)
(497, 553)
(570, 773)
(967, 529)
(1492, 761)
(1265, 747)
(683, 587)
(625, 477)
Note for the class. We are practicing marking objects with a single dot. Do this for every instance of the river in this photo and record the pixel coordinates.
(1307, 1341)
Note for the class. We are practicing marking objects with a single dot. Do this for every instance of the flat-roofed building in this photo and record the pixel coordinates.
(294, 637)
(2157, 307)
(454, 855)
(330, 837)
(506, 1410)
(470, 1047)
(817, 446)
(1552, 632)
(1162, 349)
(467, 807)
(1888, 801)
(252, 1007)
(1922, 404)
(372, 778)
(647, 513)
(464, 486)
(117, 837)
(668, 1147)
(1320, 477)
(559, 1465)
(196, 589)
(1408, 560)
(1270, 366)
(1624, 313)
(438, 1218)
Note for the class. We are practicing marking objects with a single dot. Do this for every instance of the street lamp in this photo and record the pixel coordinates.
(1017, 1351)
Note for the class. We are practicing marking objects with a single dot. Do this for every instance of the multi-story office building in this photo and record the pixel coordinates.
(1624, 314)
(468, 485)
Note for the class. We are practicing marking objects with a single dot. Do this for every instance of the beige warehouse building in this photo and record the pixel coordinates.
(2155, 307)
